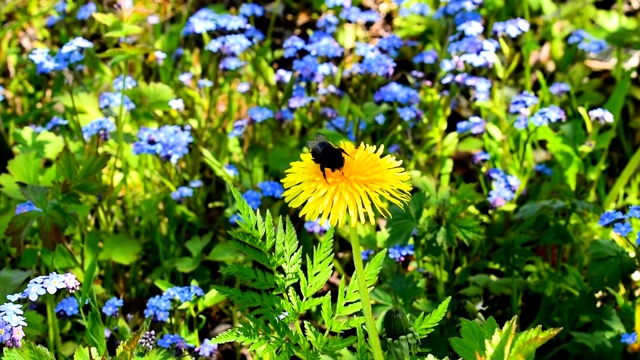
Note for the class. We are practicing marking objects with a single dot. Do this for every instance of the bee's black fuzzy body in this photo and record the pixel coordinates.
(326, 154)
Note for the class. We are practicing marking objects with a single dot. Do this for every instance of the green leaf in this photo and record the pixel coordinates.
(320, 268)
(106, 19)
(28, 351)
(608, 264)
(127, 348)
(121, 248)
(528, 341)
(196, 244)
(20, 224)
(154, 96)
(11, 280)
(187, 264)
(424, 325)
(86, 353)
(25, 168)
(95, 331)
(472, 341)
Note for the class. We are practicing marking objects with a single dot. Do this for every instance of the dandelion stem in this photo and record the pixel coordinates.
(374, 340)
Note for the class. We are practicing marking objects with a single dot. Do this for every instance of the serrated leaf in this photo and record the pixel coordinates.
(28, 351)
(86, 353)
(127, 348)
(320, 268)
(20, 224)
(256, 278)
(608, 264)
(424, 325)
(528, 341)
(25, 168)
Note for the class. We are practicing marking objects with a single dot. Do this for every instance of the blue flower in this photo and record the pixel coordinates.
(195, 183)
(602, 115)
(204, 83)
(231, 63)
(102, 127)
(182, 193)
(5, 332)
(284, 115)
(260, 114)
(335, 3)
(390, 44)
(475, 124)
(1, 93)
(170, 142)
(55, 122)
(67, 307)
(206, 349)
(586, 42)
(375, 63)
(292, 45)
(629, 339)
(365, 254)
(622, 228)
(480, 157)
(177, 104)
(271, 188)
(503, 187)
(61, 6)
(253, 198)
(111, 307)
(340, 124)
(407, 113)
(52, 20)
(173, 340)
(324, 46)
(45, 63)
(559, 88)
(328, 23)
(249, 10)
(548, 115)
(512, 27)
(205, 20)
(520, 103)
(314, 227)
(235, 219)
(26, 207)
(231, 170)
(85, 11)
(33, 291)
(238, 127)
(243, 87)
(186, 78)
(420, 9)
(306, 67)
(233, 45)
(394, 92)
(543, 169)
(426, 57)
(115, 100)
(400, 253)
(609, 217)
(471, 28)
(354, 15)
(380, 119)
(122, 83)
(158, 307)
(634, 212)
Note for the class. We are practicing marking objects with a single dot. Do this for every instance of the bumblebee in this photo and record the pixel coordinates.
(327, 155)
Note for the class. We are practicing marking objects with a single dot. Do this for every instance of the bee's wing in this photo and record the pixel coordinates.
(316, 140)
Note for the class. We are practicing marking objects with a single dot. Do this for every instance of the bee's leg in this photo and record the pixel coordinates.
(344, 152)
(324, 174)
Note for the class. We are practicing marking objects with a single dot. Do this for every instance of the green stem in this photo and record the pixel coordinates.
(54, 334)
(374, 340)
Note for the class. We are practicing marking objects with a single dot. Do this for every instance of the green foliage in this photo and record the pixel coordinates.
(488, 341)
(608, 264)
(280, 290)
(28, 351)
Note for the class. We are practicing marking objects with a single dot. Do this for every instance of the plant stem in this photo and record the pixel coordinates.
(374, 340)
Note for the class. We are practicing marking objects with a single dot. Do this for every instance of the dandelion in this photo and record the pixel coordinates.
(364, 179)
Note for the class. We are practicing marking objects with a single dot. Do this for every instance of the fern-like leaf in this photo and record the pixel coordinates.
(320, 268)
(424, 325)
(259, 279)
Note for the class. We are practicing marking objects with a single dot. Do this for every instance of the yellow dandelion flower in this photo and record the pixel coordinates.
(365, 178)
